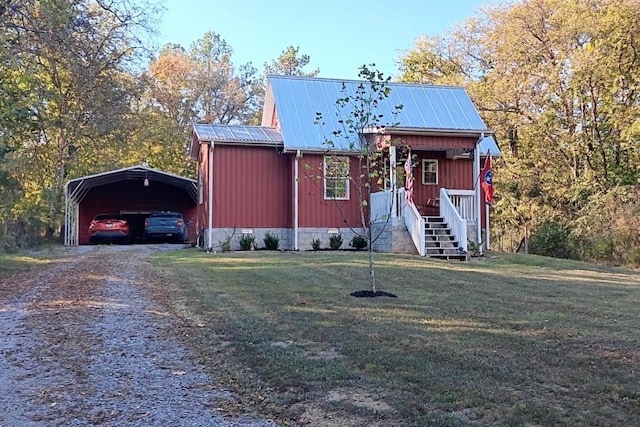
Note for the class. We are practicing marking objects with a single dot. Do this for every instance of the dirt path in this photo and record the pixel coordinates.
(84, 341)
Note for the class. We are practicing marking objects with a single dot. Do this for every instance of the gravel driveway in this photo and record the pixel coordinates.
(83, 341)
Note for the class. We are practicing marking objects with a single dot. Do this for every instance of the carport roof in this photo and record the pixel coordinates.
(77, 189)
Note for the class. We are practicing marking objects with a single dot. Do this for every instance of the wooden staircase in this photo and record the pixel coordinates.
(439, 242)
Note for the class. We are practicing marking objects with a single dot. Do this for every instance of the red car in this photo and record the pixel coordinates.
(109, 228)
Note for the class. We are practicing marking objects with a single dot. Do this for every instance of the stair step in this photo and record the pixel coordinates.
(445, 237)
(441, 243)
(447, 257)
(437, 231)
(433, 219)
(435, 225)
(442, 251)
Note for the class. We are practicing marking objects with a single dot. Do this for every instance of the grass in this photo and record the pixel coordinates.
(511, 340)
(11, 263)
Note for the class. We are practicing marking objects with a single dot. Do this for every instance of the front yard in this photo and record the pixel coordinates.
(509, 340)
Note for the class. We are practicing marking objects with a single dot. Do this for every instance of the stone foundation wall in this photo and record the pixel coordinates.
(308, 234)
(394, 237)
(286, 236)
(220, 235)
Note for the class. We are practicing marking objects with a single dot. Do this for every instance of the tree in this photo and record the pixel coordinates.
(290, 63)
(221, 95)
(558, 81)
(359, 125)
(73, 58)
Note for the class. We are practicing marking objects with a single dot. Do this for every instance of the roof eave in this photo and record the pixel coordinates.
(310, 150)
(439, 132)
(245, 143)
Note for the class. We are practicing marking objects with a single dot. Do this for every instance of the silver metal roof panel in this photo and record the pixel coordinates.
(240, 133)
(489, 145)
(427, 107)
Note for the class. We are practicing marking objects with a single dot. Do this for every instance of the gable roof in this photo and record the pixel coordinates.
(427, 109)
(77, 189)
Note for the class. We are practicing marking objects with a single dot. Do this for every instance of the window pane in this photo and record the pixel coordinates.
(336, 177)
(429, 171)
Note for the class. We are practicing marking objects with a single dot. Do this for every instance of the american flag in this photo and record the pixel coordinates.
(408, 184)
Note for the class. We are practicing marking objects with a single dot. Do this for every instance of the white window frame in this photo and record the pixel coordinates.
(426, 162)
(328, 159)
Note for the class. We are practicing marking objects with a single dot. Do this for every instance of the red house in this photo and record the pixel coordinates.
(278, 177)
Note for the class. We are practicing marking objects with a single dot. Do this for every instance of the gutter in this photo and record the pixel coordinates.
(439, 132)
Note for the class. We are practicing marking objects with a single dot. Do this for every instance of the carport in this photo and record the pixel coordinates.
(134, 192)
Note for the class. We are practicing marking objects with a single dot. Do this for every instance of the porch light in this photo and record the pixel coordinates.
(146, 182)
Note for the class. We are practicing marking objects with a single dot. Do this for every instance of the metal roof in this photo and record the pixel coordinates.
(488, 145)
(426, 108)
(237, 133)
(77, 189)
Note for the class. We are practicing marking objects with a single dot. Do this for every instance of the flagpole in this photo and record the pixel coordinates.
(486, 218)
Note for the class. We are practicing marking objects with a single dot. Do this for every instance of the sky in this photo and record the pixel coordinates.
(338, 35)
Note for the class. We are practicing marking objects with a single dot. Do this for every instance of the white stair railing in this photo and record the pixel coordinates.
(380, 206)
(463, 200)
(453, 218)
(413, 220)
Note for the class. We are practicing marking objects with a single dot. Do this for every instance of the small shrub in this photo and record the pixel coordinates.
(271, 241)
(474, 248)
(552, 239)
(225, 245)
(335, 241)
(358, 242)
(315, 244)
(247, 242)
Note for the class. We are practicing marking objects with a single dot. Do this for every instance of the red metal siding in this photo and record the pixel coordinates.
(437, 142)
(203, 167)
(132, 196)
(452, 174)
(315, 211)
(253, 187)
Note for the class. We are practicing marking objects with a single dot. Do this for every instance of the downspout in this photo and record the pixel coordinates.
(476, 173)
(210, 188)
(392, 177)
(296, 191)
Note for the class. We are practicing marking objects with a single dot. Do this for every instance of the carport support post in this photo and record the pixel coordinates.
(210, 185)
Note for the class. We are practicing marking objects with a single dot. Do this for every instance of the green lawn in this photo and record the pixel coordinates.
(15, 263)
(507, 340)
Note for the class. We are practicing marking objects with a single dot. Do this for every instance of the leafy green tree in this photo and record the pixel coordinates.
(558, 80)
(290, 63)
(222, 94)
(73, 60)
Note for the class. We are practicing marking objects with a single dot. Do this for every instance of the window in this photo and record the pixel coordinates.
(429, 172)
(336, 177)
